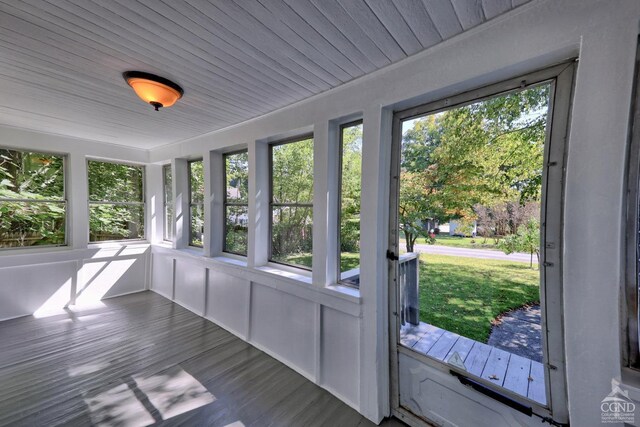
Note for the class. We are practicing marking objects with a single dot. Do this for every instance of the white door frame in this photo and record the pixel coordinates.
(561, 77)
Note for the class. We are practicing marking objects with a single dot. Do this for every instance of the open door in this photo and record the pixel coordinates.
(476, 255)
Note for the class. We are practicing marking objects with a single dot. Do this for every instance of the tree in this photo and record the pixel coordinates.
(350, 188)
(484, 153)
(32, 193)
(292, 178)
(504, 218)
(527, 239)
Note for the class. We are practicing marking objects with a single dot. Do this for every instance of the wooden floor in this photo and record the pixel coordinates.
(515, 373)
(141, 360)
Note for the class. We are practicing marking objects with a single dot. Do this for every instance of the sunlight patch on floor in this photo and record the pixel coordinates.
(174, 392)
(118, 407)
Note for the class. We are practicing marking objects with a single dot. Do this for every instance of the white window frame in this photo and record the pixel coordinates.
(291, 140)
(226, 204)
(106, 202)
(341, 129)
(168, 233)
(191, 203)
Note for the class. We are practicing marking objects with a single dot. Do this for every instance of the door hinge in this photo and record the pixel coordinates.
(392, 256)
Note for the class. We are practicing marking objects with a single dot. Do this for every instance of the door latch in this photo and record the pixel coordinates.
(391, 256)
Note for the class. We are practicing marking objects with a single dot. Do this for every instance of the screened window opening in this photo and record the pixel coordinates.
(116, 201)
(349, 208)
(236, 208)
(32, 199)
(167, 202)
(291, 187)
(196, 203)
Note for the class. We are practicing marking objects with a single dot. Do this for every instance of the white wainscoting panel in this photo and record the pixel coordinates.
(340, 354)
(109, 277)
(190, 278)
(228, 302)
(284, 324)
(30, 288)
(162, 275)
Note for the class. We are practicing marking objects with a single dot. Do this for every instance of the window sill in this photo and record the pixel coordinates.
(228, 260)
(285, 273)
(347, 292)
(117, 243)
(192, 250)
(33, 250)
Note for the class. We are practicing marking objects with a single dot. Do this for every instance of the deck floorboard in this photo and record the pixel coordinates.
(515, 373)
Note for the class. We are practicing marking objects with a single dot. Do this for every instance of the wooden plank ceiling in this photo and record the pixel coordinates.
(61, 60)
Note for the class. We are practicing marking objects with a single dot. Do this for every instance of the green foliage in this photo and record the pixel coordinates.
(237, 188)
(464, 295)
(115, 184)
(237, 176)
(350, 191)
(39, 178)
(483, 153)
(527, 239)
(292, 186)
(196, 202)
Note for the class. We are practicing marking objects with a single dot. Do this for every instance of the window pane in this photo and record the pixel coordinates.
(115, 182)
(291, 240)
(351, 149)
(237, 177)
(236, 230)
(31, 224)
(196, 181)
(292, 172)
(115, 222)
(196, 206)
(168, 202)
(196, 229)
(26, 175)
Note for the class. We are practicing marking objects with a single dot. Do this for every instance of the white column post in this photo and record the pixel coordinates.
(154, 198)
(259, 211)
(78, 196)
(213, 204)
(180, 174)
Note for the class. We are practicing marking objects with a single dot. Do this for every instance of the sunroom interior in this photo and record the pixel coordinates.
(245, 256)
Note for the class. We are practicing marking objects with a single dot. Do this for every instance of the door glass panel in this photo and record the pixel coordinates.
(469, 224)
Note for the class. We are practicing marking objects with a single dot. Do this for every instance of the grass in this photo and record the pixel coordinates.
(460, 242)
(348, 260)
(464, 295)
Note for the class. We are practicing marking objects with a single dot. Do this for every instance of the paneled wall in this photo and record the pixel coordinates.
(44, 284)
(314, 333)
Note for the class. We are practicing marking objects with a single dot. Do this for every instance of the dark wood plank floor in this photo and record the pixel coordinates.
(142, 359)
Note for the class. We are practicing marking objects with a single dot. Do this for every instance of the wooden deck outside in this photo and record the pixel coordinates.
(518, 374)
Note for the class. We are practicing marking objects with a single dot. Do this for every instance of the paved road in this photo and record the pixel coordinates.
(472, 253)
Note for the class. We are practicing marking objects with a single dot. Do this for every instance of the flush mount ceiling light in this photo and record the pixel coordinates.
(153, 89)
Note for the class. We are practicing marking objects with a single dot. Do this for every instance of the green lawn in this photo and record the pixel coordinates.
(464, 295)
(348, 260)
(459, 242)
